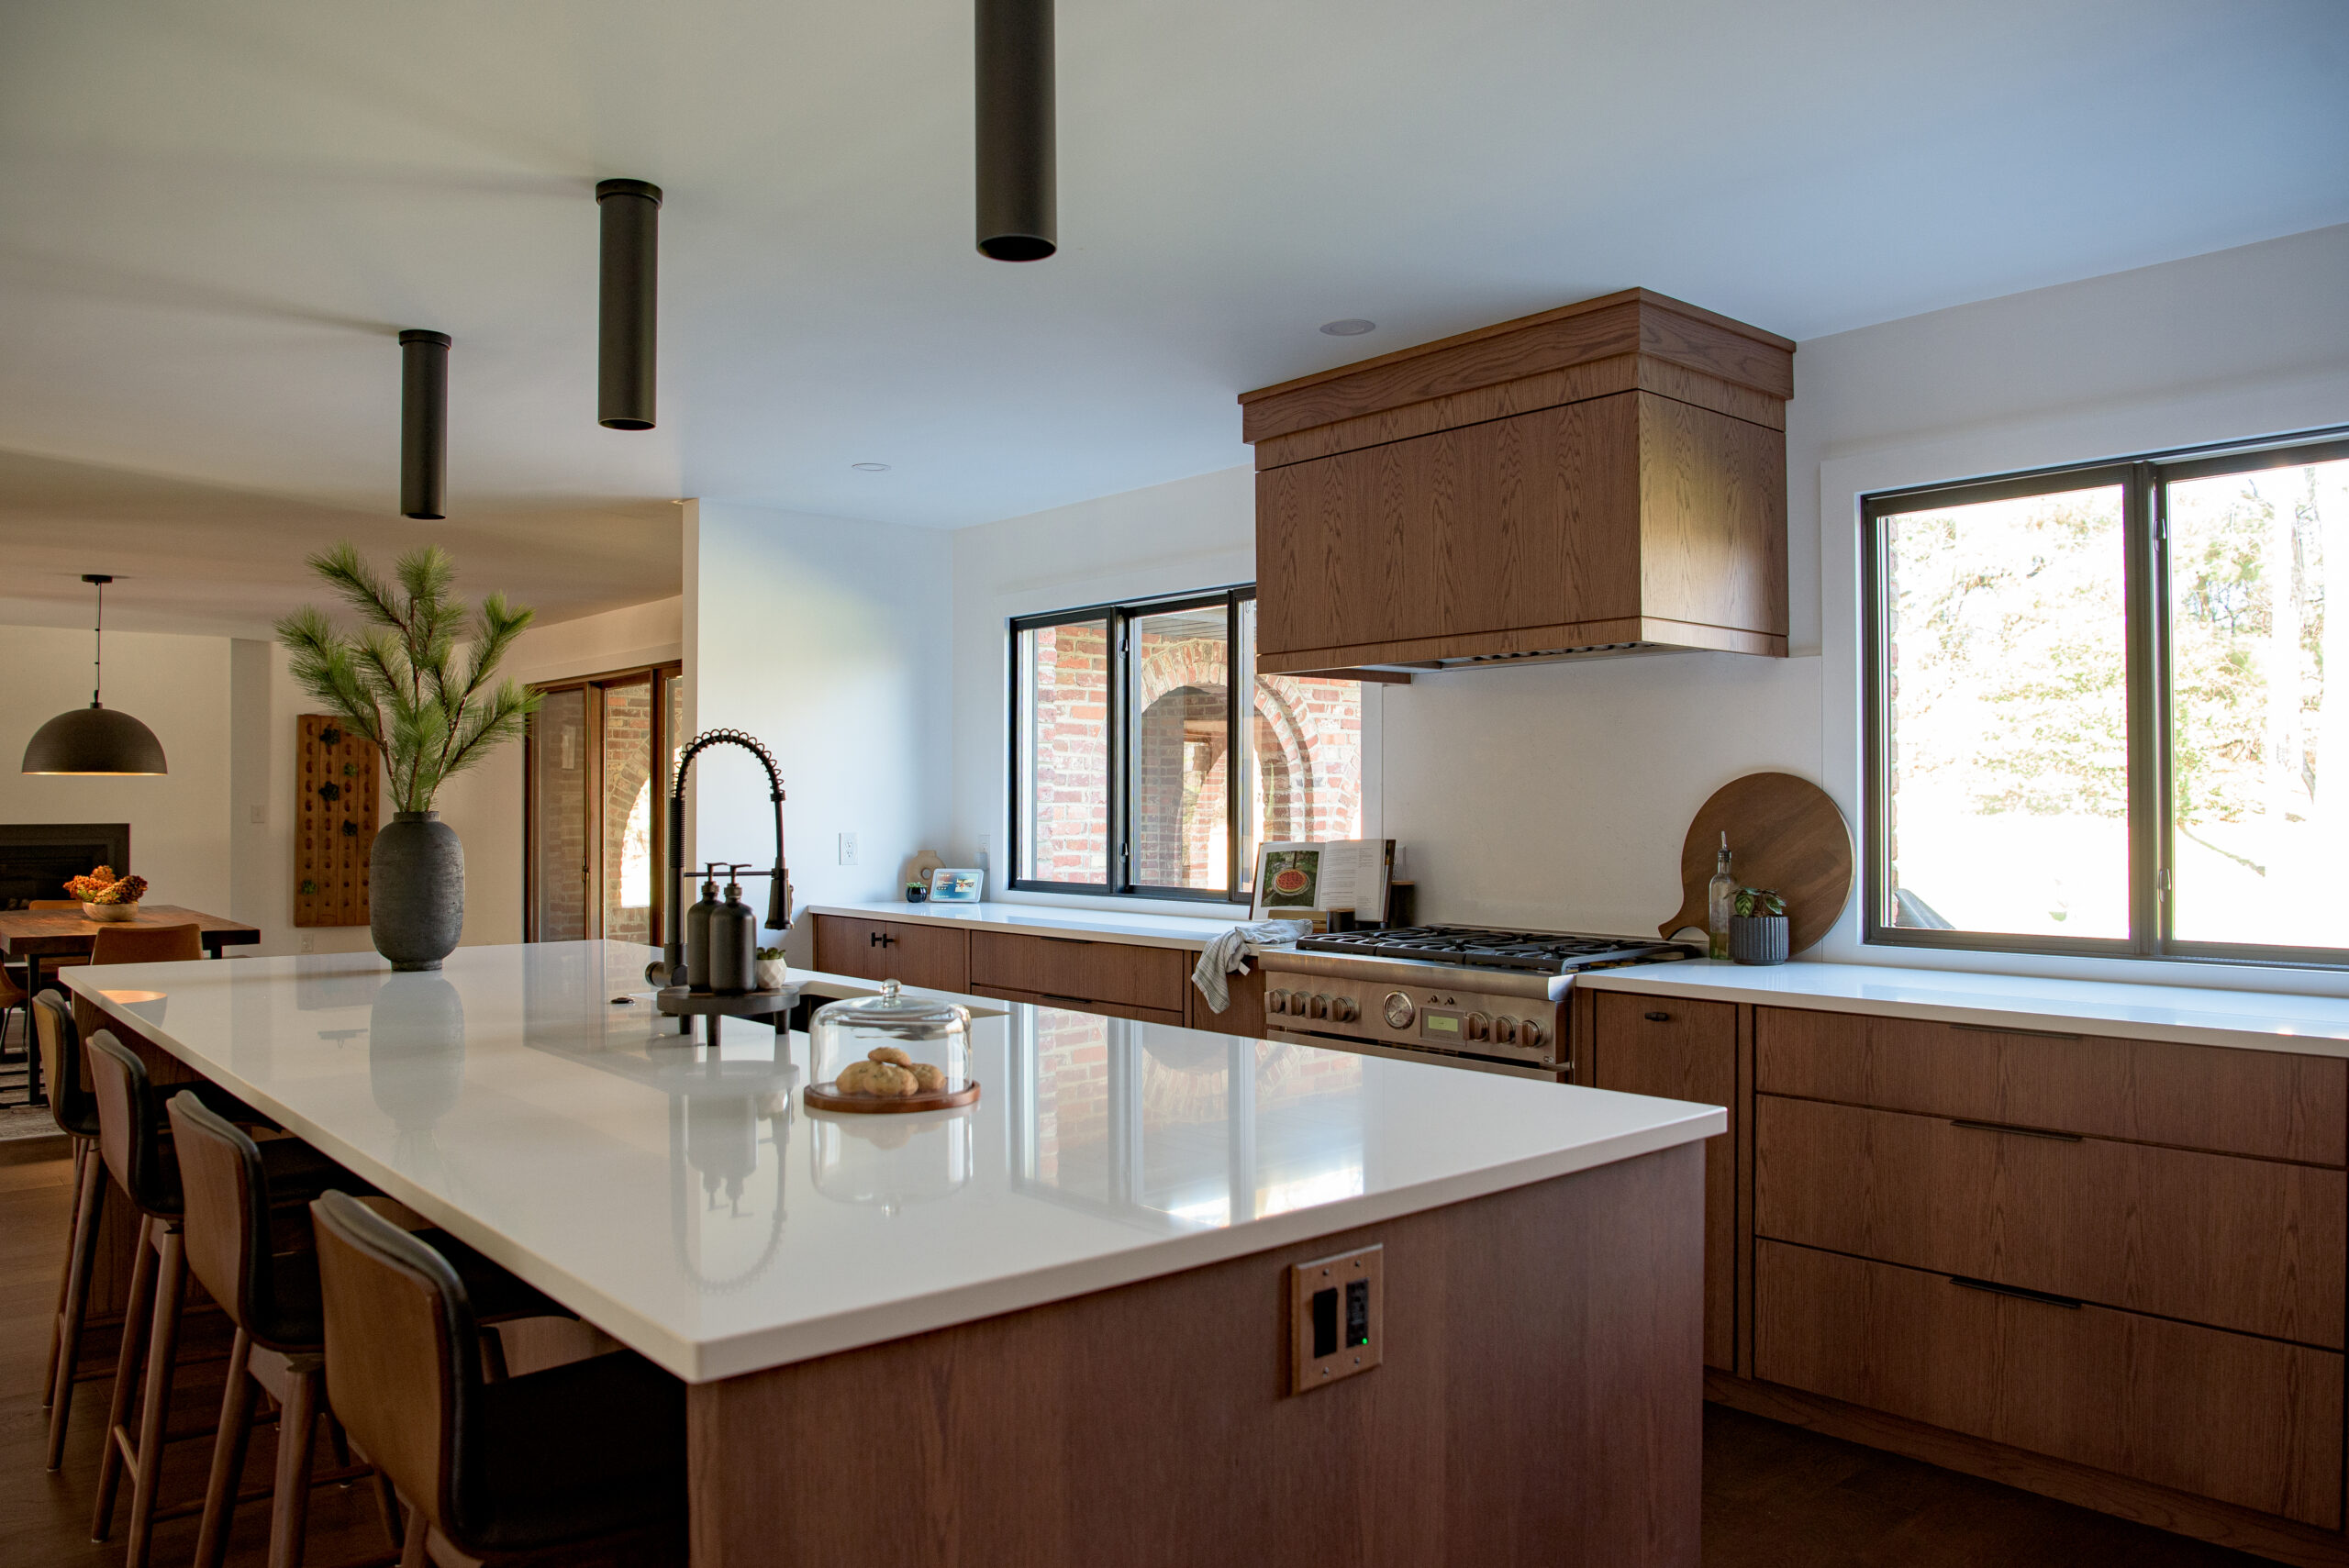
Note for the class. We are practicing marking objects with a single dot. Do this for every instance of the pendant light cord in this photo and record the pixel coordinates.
(98, 651)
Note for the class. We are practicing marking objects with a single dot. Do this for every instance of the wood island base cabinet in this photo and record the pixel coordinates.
(1538, 1401)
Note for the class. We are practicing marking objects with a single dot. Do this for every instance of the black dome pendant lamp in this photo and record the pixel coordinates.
(96, 739)
(424, 422)
(1019, 204)
(628, 304)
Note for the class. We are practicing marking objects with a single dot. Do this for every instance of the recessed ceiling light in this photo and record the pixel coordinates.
(870, 467)
(1351, 327)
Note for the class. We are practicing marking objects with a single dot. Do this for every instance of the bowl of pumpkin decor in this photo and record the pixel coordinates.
(106, 897)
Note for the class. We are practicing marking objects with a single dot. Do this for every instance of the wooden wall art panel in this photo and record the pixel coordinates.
(335, 786)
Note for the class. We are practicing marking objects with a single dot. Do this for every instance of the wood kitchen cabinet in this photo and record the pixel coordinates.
(936, 958)
(1609, 474)
(1683, 1050)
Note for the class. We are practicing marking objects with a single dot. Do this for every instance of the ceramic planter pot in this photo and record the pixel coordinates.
(110, 911)
(774, 973)
(1757, 938)
(415, 890)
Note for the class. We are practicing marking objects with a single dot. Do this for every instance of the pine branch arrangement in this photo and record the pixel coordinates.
(401, 681)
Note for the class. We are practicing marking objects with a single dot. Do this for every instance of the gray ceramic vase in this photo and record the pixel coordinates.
(1757, 938)
(415, 890)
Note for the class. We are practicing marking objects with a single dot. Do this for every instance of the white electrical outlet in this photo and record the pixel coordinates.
(309, 943)
(848, 849)
(260, 815)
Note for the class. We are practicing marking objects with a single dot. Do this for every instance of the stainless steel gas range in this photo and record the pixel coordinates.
(1493, 1001)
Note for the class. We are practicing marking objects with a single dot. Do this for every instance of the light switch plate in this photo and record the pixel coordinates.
(1337, 1318)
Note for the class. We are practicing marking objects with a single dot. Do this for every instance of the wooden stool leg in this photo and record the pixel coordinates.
(84, 1257)
(412, 1542)
(227, 1455)
(126, 1377)
(65, 1274)
(289, 1514)
(170, 1296)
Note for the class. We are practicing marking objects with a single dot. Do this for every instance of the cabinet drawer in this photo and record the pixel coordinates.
(1684, 1051)
(2194, 1096)
(2256, 1245)
(2246, 1420)
(936, 958)
(1074, 967)
(1081, 1004)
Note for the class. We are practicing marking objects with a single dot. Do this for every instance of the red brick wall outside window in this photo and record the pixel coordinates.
(1304, 757)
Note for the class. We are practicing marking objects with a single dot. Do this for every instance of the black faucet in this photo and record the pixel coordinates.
(669, 968)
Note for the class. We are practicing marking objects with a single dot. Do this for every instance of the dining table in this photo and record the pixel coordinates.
(35, 935)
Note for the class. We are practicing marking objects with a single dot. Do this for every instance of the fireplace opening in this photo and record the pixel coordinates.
(37, 859)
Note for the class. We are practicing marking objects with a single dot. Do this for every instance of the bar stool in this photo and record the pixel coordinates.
(134, 1141)
(75, 1112)
(253, 1255)
(578, 1464)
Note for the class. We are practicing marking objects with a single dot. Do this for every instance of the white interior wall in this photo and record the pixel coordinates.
(177, 686)
(829, 641)
(1557, 795)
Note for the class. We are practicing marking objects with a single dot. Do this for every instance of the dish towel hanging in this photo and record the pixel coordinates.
(1230, 953)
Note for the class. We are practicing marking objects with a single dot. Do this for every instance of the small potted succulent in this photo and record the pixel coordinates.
(106, 897)
(1757, 926)
(915, 891)
(772, 971)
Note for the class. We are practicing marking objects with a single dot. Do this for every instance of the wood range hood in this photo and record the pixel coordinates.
(1602, 478)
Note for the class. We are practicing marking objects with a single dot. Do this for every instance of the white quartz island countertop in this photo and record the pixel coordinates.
(685, 1203)
(2252, 1020)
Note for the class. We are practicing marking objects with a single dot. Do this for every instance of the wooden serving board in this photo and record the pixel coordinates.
(821, 1097)
(1785, 833)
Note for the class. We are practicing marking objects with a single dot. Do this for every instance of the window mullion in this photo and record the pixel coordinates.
(2148, 743)
(1121, 692)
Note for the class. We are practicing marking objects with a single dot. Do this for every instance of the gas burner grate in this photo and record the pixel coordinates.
(1542, 953)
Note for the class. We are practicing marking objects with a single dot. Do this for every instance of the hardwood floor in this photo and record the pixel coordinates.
(1776, 1496)
(44, 1518)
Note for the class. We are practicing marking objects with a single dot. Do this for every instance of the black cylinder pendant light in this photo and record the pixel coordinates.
(424, 422)
(631, 216)
(1019, 217)
(96, 739)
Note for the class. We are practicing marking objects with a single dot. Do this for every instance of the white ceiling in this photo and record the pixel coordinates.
(212, 218)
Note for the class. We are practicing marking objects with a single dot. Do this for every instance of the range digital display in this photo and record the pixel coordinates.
(1444, 1024)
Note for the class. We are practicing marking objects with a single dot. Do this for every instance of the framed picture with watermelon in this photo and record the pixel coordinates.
(1297, 878)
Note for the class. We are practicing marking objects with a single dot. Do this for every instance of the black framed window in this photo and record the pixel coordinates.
(2097, 713)
(1140, 765)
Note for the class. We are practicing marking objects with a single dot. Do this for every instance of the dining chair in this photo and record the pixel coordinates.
(253, 1255)
(134, 1141)
(141, 944)
(574, 1466)
(75, 1113)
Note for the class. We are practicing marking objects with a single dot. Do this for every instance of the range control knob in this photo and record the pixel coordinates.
(1398, 1011)
(1479, 1026)
(1532, 1036)
(1316, 1007)
(1504, 1031)
(1342, 1009)
(1276, 1001)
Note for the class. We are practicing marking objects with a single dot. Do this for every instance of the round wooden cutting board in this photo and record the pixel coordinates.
(1783, 833)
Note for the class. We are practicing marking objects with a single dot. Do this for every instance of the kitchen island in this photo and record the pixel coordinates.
(1052, 1327)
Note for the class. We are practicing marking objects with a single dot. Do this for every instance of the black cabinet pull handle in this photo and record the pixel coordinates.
(1056, 996)
(2000, 1028)
(2069, 1303)
(880, 939)
(2018, 1131)
(1658, 1017)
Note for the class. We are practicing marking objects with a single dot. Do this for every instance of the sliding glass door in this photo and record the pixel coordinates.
(599, 764)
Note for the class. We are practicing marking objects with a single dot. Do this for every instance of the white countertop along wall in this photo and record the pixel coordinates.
(1110, 925)
(682, 1201)
(2253, 1020)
